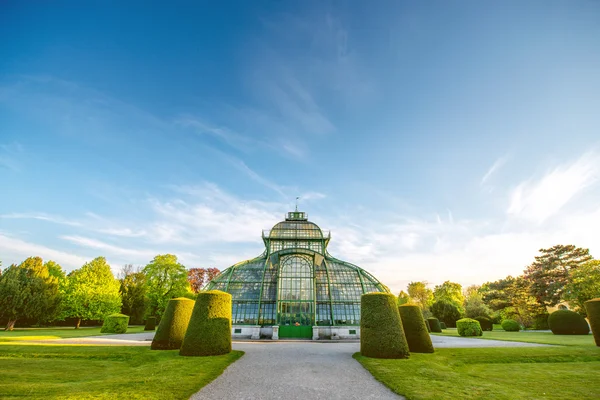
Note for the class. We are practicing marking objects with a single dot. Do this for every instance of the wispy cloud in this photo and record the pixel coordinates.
(537, 200)
(241, 166)
(16, 249)
(106, 247)
(42, 217)
(495, 167)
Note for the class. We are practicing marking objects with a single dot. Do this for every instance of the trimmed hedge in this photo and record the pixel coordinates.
(415, 329)
(434, 324)
(592, 307)
(510, 325)
(209, 331)
(173, 324)
(485, 323)
(468, 327)
(150, 324)
(381, 331)
(565, 322)
(427, 325)
(443, 325)
(115, 323)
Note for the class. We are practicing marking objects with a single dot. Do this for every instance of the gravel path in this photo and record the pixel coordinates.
(295, 370)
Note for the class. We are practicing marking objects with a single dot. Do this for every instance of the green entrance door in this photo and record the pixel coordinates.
(297, 332)
(296, 305)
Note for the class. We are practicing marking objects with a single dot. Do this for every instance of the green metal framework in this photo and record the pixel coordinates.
(296, 281)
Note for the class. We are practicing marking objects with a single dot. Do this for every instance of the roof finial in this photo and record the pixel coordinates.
(297, 198)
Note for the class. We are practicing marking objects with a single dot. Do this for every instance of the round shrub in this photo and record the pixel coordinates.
(381, 331)
(115, 323)
(592, 307)
(415, 329)
(565, 322)
(510, 325)
(173, 324)
(485, 323)
(150, 324)
(443, 325)
(209, 331)
(434, 324)
(446, 312)
(427, 325)
(468, 327)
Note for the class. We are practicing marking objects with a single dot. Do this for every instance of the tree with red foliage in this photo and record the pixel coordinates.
(198, 277)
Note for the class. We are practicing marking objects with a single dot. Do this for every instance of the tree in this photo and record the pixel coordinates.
(420, 294)
(166, 278)
(196, 278)
(403, 298)
(474, 304)
(450, 292)
(584, 285)
(91, 292)
(512, 298)
(447, 312)
(133, 293)
(28, 291)
(199, 277)
(550, 271)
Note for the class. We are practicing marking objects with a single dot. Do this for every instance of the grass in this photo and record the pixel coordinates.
(21, 334)
(104, 372)
(531, 337)
(561, 372)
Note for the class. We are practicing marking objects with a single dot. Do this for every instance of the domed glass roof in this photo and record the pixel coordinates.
(296, 281)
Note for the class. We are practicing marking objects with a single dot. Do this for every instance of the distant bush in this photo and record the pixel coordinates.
(115, 323)
(540, 322)
(209, 331)
(565, 322)
(485, 323)
(468, 327)
(381, 330)
(446, 312)
(443, 325)
(150, 324)
(592, 307)
(510, 325)
(415, 329)
(173, 324)
(427, 325)
(434, 324)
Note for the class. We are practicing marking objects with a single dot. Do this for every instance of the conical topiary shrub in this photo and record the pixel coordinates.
(381, 333)
(415, 329)
(592, 307)
(209, 332)
(566, 322)
(173, 324)
(150, 324)
(427, 325)
(434, 324)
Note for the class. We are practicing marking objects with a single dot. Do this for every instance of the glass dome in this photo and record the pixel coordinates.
(296, 282)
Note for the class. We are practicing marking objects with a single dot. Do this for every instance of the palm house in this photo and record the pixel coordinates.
(296, 289)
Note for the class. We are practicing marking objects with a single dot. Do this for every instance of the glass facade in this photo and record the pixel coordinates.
(296, 281)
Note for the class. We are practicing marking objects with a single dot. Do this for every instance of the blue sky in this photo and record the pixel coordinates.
(436, 141)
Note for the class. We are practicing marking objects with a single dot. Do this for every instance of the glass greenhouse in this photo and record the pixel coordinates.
(296, 288)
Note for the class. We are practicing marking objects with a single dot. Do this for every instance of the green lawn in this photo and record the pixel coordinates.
(20, 334)
(104, 372)
(531, 337)
(561, 372)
